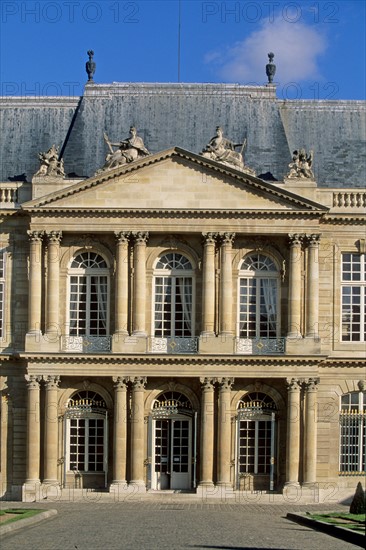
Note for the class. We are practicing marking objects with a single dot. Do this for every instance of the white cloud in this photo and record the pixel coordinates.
(296, 47)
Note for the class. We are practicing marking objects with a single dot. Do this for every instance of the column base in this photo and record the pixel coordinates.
(50, 489)
(31, 490)
(138, 486)
(121, 490)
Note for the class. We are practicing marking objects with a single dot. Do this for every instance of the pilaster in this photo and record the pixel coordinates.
(53, 331)
(32, 483)
(224, 431)
(139, 287)
(120, 431)
(51, 429)
(138, 433)
(207, 432)
(293, 432)
(310, 443)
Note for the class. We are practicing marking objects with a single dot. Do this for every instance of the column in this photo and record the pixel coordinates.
(35, 282)
(312, 295)
(293, 432)
(33, 429)
(208, 286)
(120, 430)
(122, 283)
(53, 278)
(138, 432)
(51, 429)
(224, 431)
(226, 284)
(310, 431)
(294, 296)
(139, 287)
(207, 431)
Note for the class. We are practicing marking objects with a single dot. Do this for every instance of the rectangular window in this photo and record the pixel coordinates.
(353, 292)
(352, 456)
(86, 444)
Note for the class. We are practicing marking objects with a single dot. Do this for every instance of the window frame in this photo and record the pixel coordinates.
(173, 274)
(87, 273)
(352, 434)
(258, 275)
(353, 283)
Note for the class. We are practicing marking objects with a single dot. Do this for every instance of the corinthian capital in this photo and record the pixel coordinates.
(293, 384)
(225, 383)
(123, 237)
(209, 238)
(227, 238)
(139, 382)
(33, 381)
(35, 236)
(54, 237)
(120, 382)
(296, 239)
(313, 239)
(141, 237)
(51, 381)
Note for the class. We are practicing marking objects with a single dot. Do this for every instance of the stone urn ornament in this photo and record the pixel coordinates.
(90, 66)
(270, 68)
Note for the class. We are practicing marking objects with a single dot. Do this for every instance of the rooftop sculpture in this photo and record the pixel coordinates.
(270, 68)
(222, 150)
(90, 66)
(127, 151)
(51, 165)
(301, 165)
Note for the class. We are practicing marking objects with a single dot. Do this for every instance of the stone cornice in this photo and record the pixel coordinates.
(173, 213)
(342, 219)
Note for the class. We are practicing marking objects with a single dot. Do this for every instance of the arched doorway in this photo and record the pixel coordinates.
(256, 442)
(86, 440)
(173, 449)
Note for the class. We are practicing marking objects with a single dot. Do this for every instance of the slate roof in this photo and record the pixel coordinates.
(186, 115)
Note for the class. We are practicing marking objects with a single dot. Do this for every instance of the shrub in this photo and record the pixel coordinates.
(358, 504)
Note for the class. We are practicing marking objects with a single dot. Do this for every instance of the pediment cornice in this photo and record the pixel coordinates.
(49, 202)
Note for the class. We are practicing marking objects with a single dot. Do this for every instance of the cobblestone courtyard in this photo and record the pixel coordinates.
(170, 524)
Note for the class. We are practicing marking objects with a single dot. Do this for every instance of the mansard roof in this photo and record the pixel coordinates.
(186, 115)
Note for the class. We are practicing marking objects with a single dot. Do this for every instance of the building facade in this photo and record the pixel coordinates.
(171, 320)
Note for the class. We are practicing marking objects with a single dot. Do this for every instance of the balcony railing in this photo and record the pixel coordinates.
(173, 345)
(259, 346)
(87, 344)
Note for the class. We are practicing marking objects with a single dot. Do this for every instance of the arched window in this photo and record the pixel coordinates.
(258, 297)
(256, 437)
(173, 297)
(86, 432)
(352, 456)
(89, 289)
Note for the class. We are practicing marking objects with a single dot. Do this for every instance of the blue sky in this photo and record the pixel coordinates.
(319, 46)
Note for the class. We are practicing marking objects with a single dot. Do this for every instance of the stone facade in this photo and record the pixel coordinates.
(175, 323)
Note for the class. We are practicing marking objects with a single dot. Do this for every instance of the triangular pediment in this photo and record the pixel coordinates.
(173, 180)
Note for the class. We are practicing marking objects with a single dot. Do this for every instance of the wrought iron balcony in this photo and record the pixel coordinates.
(173, 345)
(259, 346)
(87, 344)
